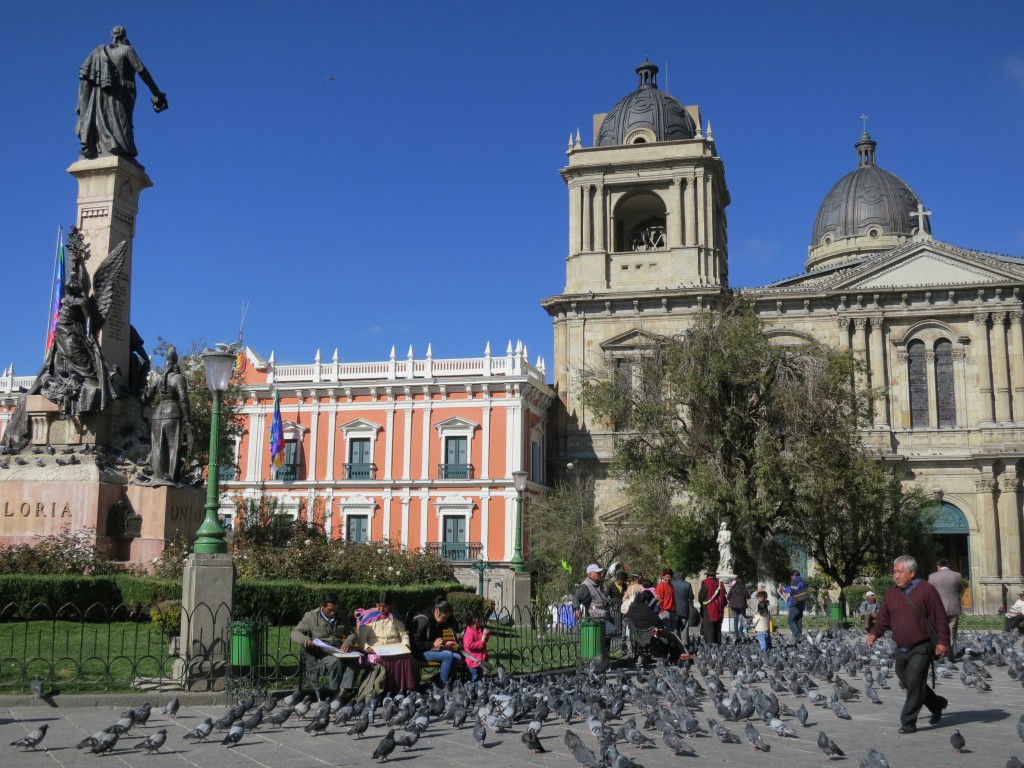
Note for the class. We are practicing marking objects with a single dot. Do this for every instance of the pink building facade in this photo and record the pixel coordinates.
(413, 451)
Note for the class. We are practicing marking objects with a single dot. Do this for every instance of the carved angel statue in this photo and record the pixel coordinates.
(74, 374)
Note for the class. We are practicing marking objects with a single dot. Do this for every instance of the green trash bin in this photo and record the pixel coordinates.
(591, 638)
(246, 643)
(835, 613)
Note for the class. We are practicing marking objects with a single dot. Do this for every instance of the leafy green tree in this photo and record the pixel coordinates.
(730, 426)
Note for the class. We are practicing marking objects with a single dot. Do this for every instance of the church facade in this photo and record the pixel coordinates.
(937, 325)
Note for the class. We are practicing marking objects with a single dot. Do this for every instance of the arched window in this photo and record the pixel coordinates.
(944, 396)
(918, 365)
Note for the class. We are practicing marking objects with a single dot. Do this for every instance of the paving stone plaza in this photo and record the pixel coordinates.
(986, 720)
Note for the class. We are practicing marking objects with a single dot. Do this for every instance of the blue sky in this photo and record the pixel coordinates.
(415, 198)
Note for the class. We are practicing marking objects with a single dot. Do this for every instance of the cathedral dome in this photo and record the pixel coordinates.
(869, 210)
(646, 115)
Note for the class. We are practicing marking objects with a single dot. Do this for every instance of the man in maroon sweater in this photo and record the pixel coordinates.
(910, 632)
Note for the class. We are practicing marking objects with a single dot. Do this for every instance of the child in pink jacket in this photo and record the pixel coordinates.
(474, 643)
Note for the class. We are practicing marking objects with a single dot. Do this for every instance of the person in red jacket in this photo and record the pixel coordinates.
(912, 609)
(712, 608)
(666, 595)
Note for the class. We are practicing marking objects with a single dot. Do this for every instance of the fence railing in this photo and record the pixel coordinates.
(83, 650)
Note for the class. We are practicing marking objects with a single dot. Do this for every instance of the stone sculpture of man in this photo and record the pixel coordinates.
(170, 430)
(724, 549)
(106, 98)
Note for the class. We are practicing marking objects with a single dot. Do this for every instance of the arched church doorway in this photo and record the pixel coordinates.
(951, 533)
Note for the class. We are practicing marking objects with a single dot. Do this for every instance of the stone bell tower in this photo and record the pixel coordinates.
(647, 244)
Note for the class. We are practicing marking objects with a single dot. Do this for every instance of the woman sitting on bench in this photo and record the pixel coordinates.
(386, 642)
(434, 630)
(645, 620)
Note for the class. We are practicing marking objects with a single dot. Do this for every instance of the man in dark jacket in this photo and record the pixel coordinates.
(427, 637)
(323, 633)
(738, 597)
(913, 610)
(645, 621)
(684, 605)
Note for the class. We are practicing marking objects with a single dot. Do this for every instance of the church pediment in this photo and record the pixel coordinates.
(630, 340)
(929, 264)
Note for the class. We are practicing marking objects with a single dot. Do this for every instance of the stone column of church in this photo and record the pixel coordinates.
(690, 206)
(960, 383)
(574, 226)
(702, 193)
(600, 219)
(1000, 368)
(901, 391)
(1009, 525)
(878, 378)
(843, 326)
(860, 346)
(933, 396)
(1017, 366)
(709, 215)
(676, 213)
(984, 369)
(588, 218)
(985, 487)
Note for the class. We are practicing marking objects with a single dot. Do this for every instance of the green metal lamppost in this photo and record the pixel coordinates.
(519, 482)
(480, 565)
(210, 537)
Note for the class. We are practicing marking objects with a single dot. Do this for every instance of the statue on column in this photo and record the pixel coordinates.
(724, 549)
(170, 427)
(106, 98)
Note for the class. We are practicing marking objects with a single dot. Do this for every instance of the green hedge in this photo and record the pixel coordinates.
(279, 601)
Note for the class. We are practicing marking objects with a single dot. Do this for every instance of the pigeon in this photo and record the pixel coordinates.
(407, 740)
(957, 741)
(318, 724)
(724, 734)
(155, 741)
(585, 757)
(872, 695)
(37, 687)
(359, 727)
(140, 713)
(105, 743)
(1014, 762)
(479, 733)
(532, 742)
(251, 722)
(386, 747)
(233, 736)
(571, 740)
(781, 728)
(201, 731)
(31, 741)
(1020, 727)
(90, 741)
(829, 747)
(171, 708)
(124, 724)
(753, 737)
(279, 715)
(874, 759)
(677, 744)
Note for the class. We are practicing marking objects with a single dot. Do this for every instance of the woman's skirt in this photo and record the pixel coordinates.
(402, 671)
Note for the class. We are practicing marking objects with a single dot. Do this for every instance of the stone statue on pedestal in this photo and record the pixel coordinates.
(106, 98)
(170, 428)
(724, 550)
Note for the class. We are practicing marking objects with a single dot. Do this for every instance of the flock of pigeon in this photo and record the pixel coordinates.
(604, 710)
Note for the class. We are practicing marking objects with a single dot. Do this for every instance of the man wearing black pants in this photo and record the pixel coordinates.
(913, 610)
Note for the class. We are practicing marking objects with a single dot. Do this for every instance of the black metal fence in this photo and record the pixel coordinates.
(71, 649)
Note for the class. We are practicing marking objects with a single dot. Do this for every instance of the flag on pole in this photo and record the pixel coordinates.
(277, 434)
(57, 290)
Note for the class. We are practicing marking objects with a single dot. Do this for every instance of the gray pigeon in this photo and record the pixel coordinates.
(957, 741)
(105, 743)
(781, 728)
(359, 727)
(90, 741)
(386, 747)
(201, 731)
(1014, 762)
(407, 740)
(874, 759)
(677, 744)
(171, 708)
(233, 736)
(31, 741)
(155, 741)
(801, 715)
(532, 742)
(753, 737)
(829, 747)
(479, 732)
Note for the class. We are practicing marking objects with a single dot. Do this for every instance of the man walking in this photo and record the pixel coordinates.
(949, 584)
(738, 597)
(913, 610)
(666, 595)
(684, 606)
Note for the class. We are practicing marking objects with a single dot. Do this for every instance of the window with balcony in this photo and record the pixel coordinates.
(456, 448)
(289, 470)
(453, 515)
(360, 459)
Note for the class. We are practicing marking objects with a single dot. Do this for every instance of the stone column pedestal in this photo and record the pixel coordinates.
(108, 202)
(520, 598)
(207, 606)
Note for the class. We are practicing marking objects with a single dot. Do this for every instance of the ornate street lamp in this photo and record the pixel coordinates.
(480, 565)
(210, 537)
(519, 482)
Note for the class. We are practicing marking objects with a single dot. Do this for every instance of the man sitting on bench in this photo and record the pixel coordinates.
(322, 633)
(433, 633)
(644, 619)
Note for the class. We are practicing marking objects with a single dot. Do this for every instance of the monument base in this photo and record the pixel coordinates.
(207, 607)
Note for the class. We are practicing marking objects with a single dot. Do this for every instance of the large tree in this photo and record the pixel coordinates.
(735, 427)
